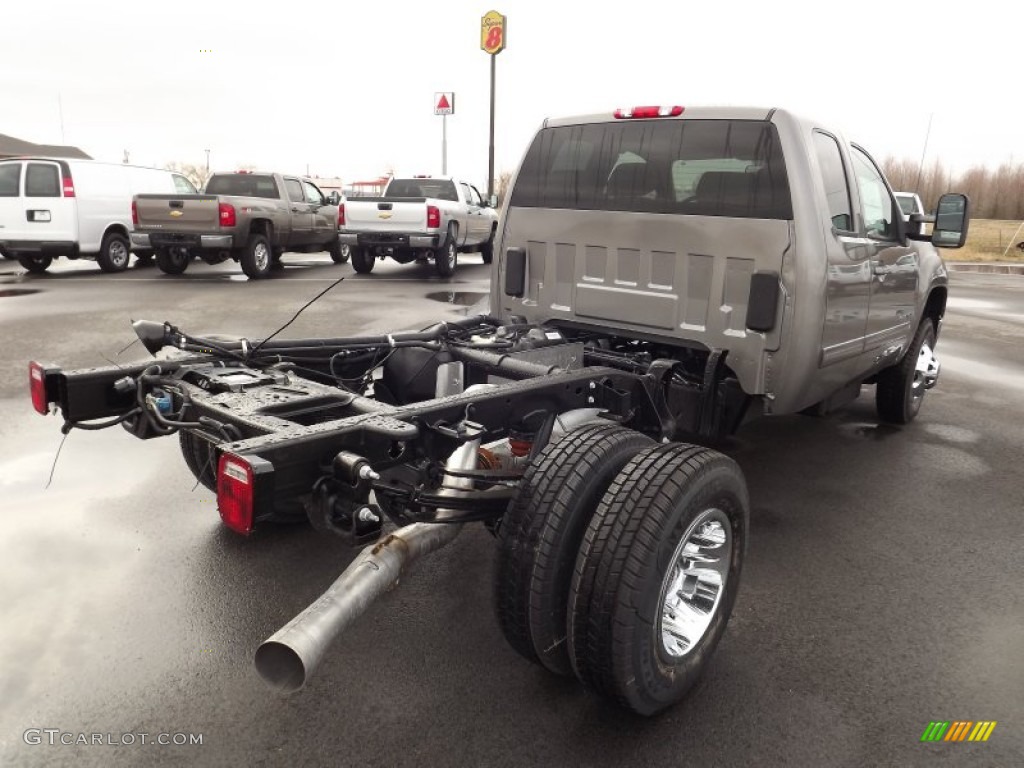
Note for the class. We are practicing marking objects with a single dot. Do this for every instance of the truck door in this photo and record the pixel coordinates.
(894, 268)
(475, 223)
(301, 213)
(324, 217)
(849, 260)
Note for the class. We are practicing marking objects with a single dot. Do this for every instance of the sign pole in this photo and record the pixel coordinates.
(444, 105)
(493, 34)
(490, 146)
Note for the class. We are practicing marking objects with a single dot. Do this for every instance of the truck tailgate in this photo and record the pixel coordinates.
(177, 213)
(386, 214)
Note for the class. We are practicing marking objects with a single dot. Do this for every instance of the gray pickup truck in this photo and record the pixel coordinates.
(252, 218)
(662, 274)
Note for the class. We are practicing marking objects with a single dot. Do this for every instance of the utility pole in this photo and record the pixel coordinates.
(207, 161)
(493, 35)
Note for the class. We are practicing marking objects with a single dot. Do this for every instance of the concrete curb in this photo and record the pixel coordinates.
(997, 269)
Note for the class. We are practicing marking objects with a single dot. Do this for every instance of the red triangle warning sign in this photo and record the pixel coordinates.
(443, 103)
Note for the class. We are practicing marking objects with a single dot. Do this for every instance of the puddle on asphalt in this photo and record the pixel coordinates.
(462, 298)
(8, 292)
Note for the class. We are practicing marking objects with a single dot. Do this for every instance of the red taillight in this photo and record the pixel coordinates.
(341, 215)
(433, 216)
(235, 481)
(227, 215)
(638, 112)
(135, 214)
(69, 186)
(37, 385)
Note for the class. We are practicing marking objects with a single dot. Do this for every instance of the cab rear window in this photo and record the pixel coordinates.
(244, 185)
(700, 167)
(10, 176)
(42, 180)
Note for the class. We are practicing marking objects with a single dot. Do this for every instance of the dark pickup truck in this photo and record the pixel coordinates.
(252, 218)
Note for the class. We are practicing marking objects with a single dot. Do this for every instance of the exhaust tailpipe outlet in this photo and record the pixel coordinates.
(287, 659)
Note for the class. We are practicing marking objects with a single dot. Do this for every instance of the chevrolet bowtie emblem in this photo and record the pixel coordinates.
(176, 214)
(383, 215)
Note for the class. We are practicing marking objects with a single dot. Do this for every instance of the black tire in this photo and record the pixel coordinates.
(632, 545)
(340, 252)
(362, 261)
(115, 253)
(447, 256)
(257, 257)
(35, 263)
(173, 261)
(901, 387)
(541, 532)
(198, 454)
(487, 249)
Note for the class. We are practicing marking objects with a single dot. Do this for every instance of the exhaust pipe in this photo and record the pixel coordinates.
(289, 657)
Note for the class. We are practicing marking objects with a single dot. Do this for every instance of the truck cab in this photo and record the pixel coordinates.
(749, 232)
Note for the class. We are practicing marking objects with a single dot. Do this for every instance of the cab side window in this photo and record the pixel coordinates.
(468, 194)
(313, 195)
(10, 178)
(877, 204)
(294, 187)
(834, 181)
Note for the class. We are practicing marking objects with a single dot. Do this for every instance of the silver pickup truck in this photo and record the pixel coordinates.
(662, 275)
(419, 219)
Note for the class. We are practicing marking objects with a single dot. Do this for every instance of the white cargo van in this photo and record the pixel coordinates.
(81, 209)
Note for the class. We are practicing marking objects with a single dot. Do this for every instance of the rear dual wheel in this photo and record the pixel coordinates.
(173, 260)
(541, 533)
(35, 263)
(363, 260)
(619, 561)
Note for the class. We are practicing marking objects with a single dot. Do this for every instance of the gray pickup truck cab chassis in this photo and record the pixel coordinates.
(662, 274)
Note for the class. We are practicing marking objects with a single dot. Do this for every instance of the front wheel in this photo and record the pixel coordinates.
(362, 260)
(35, 263)
(114, 253)
(901, 387)
(256, 257)
(173, 261)
(657, 575)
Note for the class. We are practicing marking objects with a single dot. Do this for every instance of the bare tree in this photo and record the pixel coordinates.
(501, 187)
(197, 174)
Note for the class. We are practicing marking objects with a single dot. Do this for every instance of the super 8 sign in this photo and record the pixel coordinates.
(492, 32)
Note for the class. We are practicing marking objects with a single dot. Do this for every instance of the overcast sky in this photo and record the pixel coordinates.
(347, 88)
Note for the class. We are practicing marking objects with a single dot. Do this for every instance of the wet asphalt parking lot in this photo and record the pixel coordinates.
(882, 588)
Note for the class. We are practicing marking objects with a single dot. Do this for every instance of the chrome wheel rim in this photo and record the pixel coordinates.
(694, 583)
(451, 254)
(118, 253)
(261, 255)
(346, 252)
(926, 373)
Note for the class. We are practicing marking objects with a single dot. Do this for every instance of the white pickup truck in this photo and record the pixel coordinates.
(418, 219)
